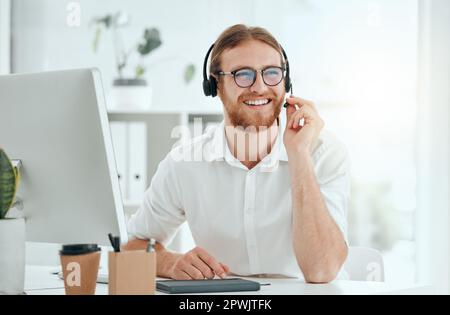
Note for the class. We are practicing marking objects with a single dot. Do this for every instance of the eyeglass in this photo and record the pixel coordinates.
(246, 77)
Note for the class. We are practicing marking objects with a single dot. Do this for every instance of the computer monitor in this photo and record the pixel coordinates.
(56, 123)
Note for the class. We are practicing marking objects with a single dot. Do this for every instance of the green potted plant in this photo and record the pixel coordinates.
(130, 91)
(12, 231)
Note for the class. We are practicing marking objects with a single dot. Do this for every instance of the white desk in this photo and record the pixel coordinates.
(40, 281)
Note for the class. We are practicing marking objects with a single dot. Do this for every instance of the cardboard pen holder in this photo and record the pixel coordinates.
(132, 273)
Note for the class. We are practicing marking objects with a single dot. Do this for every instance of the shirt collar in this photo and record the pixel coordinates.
(220, 151)
(218, 144)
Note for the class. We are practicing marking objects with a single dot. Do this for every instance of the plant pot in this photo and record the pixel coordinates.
(131, 94)
(12, 256)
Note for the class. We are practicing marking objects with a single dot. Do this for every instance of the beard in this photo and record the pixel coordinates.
(240, 116)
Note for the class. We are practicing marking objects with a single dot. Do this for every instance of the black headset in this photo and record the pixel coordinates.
(210, 83)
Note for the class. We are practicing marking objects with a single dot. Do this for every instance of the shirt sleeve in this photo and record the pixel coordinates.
(332, 167)
(160, 214)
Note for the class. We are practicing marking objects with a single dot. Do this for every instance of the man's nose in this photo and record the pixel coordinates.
(259, 86)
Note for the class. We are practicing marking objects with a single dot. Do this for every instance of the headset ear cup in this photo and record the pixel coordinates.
(210, 87)
(207, 87)
(213, 85)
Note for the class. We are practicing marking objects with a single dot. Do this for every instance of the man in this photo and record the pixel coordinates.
(265, 198)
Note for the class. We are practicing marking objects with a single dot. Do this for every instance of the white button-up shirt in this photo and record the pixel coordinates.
(242, 217)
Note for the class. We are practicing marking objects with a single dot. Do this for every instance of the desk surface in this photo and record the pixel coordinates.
(40, 281)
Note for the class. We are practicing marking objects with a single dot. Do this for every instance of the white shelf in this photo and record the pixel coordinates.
(164, 112)
(159, 140)
(141, 112)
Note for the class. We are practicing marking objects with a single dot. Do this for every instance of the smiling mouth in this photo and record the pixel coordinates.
(258, 103)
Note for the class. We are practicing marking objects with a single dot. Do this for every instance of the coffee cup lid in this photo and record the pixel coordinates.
(79, 249)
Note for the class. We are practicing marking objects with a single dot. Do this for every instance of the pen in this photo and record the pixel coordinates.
(151, 246)
(115, 242)
(111, 240)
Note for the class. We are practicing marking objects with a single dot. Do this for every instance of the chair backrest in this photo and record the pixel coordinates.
(364, 264)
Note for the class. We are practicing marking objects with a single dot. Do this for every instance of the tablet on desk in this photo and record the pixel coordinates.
(206, 286)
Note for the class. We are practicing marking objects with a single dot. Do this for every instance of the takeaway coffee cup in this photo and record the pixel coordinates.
(79, 265)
